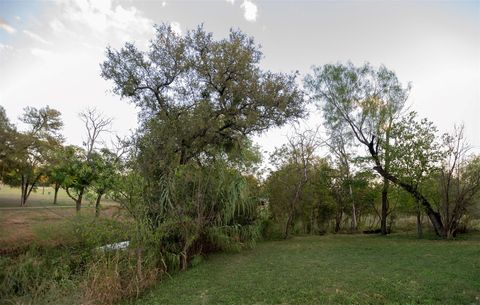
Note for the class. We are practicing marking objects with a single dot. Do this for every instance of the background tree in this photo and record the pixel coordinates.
(7, 136)
(365, 100)
(459, 181)
(416, 155)
(340, 144)
(106, 167)
(81, 167)
(363, 97)
(295, 160)
(31, 147)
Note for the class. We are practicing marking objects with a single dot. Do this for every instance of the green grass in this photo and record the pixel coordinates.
(10, 197)
(332, 269)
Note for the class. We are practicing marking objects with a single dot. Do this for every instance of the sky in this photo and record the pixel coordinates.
(50, 51)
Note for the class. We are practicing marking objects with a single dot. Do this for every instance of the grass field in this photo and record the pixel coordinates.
(19, 225)
(332, 269)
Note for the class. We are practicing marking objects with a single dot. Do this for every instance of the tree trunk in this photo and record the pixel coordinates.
(97, 204)
(21, 196)
(22, 187)
(78, 202)
(354, 213)
(419, 222)
(434, 216)
(338, 221)
(384, 212)
(286, 233)
(55, 195)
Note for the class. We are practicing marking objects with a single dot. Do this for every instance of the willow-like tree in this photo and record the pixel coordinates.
(369, 102)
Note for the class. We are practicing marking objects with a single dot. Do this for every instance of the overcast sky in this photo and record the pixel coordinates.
(50, 51)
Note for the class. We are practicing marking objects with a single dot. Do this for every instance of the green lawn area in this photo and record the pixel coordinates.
(42, 196)
(10, 197)
(332, 269)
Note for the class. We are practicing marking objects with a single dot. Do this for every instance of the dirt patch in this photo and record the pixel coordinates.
(18, 226)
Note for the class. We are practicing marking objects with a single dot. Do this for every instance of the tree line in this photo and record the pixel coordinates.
(187, 176)
(38, 156)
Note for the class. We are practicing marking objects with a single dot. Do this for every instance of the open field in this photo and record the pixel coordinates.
(19, 225)
(10, 197)
(333, 269)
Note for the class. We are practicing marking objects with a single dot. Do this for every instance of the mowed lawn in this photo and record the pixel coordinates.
(332, 269)
(18, 225)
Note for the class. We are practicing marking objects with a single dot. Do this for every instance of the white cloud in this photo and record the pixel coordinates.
(164, 3)
(231, 1)
(176, 27)
(102, 20)
(57, 26)
(250, 10)
(36, 37)
(43, 54)
(5, 47)
(6, 27)
(7, 54)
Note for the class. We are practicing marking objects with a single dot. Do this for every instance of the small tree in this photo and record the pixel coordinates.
(80, 165)
(106, 165)
(459, 181)
(296, 158)
(340, 144)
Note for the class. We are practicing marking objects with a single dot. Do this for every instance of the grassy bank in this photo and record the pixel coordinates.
(333, 269)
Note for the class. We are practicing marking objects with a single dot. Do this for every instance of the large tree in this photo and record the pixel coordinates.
(200, 100)
(200, 96)
(368, 100)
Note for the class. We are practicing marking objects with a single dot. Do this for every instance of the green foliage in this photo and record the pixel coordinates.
(316, 205)
(76, 171)
(200, 100)
(200, 209)
(7, 136)
(199, 97)
(416, 153)
(28, 150)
